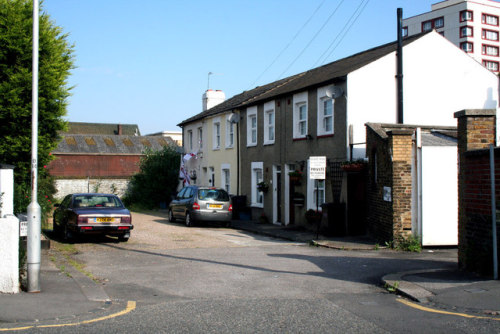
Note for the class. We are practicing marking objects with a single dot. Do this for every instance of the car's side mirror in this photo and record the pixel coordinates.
(56, 205)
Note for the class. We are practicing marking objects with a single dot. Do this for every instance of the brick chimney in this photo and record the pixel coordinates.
(119, 129)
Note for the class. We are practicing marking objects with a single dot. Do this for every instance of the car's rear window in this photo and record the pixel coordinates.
(213, 194)
(96, 201)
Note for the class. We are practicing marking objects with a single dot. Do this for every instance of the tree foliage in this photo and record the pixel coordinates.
(157, 180)
(55, 63)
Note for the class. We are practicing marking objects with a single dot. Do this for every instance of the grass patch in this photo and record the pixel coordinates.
(67, 251)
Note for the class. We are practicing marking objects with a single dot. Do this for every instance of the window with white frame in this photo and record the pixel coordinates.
(489, 19)
(226, 177)
(490, 35)
(229, 133)
(325, 112)
(190, 140)
(467, 47)
(252, 126)
(319, 193)
(300, 115)
(269, 123)
(200, 137)
(315, 190)
(216, 134)
(466, 31)
(491, 65)
(490, 50)
(257, 177)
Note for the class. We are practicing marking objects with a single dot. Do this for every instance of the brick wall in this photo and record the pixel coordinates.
(102, 166)
(380, 212)
(390, 166)
(401, 143)
(476, 131)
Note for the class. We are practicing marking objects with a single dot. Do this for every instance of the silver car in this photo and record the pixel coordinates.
(201, 204)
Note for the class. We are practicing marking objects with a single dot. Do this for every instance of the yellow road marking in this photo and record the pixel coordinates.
(130, 307)
(427, 309)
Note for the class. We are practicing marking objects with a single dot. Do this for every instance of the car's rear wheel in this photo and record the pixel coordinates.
(189, 221)
(56, 228)
(124, 237)
(171, 217)
(67, 234)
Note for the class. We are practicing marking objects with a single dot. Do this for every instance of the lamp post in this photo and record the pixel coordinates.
(34, 210)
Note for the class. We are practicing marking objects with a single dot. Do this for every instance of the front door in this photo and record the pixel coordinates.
(277, 195)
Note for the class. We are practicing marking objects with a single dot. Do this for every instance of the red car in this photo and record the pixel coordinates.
(80, 214)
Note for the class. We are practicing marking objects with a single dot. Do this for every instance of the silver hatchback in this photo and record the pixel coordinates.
(201, 204)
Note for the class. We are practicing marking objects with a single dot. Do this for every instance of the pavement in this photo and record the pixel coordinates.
(70, 297)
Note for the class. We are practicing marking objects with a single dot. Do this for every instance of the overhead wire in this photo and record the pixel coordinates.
(289, 43)
(362, 5)
(312, 39)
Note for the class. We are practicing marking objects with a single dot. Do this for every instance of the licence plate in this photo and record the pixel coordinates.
(104, 220)
(215, 206)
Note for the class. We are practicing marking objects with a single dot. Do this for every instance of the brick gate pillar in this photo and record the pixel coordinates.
(400, 142)
(476, 130)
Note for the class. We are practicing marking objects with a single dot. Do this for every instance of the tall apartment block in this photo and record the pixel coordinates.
(472, 25)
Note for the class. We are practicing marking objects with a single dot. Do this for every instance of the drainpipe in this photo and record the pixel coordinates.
(399, 74)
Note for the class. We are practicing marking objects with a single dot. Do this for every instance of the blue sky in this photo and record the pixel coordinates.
(147, 62)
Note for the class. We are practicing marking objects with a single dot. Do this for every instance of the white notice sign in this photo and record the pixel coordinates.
(317, 168)
(23, 229)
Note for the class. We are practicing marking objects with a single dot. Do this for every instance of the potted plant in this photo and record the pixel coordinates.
(353, 165)
(263, 186)
(295, 175)
(313, 216)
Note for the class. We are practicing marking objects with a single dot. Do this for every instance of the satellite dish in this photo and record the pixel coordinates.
(334, 92)
(233, 118)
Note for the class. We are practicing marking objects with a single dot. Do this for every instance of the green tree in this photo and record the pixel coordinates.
(55, 63)
(157, 179)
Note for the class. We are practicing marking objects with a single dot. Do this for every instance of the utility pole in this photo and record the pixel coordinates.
(34, 210)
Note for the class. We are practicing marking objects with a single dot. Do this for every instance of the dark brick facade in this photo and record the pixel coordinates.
(476, 131)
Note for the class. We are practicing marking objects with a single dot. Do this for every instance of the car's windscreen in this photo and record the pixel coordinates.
(96, 201)
(213, 194)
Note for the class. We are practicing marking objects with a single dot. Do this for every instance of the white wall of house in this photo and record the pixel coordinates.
(9, 235)
(439, 79)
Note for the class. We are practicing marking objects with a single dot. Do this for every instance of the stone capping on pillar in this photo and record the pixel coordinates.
(401, 132)
(475, 113)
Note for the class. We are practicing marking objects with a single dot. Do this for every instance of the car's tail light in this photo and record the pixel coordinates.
(123, 227)
(82, 220)
(230, 208)
(86, 228)
(126, 220)
(196, 206)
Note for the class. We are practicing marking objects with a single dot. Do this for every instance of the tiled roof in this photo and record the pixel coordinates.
(112, 144)
(318, 76)
(239, 100)
(102, 129)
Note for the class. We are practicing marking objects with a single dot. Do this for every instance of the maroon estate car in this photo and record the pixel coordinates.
(80, 214)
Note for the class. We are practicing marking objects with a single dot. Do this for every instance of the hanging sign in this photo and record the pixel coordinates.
(317, 168)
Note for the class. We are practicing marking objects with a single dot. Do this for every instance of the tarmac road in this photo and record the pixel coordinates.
(214, 279)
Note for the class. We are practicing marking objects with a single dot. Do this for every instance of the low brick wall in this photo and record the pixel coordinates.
(111, 186)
